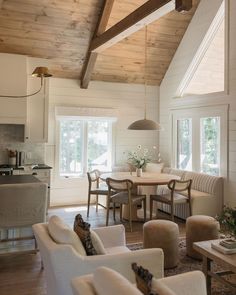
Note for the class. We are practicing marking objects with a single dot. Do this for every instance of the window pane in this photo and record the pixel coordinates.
(70, 147)
(99, 152)
(210, 145)
(184, 144)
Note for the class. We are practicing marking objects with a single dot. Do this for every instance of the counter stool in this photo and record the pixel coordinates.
(163, 234)
(200, 228)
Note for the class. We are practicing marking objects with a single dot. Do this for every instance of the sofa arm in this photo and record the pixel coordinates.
(206, 205)
(193, 283)
(67, 264)
(112, 236)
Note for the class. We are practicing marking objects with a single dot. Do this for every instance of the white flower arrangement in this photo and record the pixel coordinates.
(141, 156)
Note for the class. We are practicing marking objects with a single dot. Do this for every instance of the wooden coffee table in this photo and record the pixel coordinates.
(226, 261)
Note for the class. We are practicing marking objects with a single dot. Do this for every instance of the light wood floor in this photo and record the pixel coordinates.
(22, 275)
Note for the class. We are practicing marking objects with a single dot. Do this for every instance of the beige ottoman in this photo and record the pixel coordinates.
(200, 228)
(163, 234)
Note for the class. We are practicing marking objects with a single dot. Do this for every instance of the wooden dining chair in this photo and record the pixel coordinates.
(95, 187)
(180, 192)
(123, 192)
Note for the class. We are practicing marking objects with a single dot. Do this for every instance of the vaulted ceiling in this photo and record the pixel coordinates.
(61, 31)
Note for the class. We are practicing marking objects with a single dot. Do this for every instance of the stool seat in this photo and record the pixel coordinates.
(200, 228)
(163, 234)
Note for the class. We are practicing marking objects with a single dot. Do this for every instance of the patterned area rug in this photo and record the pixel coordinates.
(188, 264)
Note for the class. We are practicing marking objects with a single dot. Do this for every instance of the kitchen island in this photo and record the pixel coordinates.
(23, 199)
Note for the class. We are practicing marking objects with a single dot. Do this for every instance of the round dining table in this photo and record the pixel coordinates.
(147, 178)
(147, 184)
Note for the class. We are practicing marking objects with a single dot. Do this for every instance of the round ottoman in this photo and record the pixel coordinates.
(163, 234)
(200, 228)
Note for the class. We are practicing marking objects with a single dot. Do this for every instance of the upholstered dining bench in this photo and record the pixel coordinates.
(206, 193)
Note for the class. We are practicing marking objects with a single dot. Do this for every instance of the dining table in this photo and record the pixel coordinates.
(146, 184)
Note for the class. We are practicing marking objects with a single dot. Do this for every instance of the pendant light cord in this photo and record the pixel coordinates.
(145, 76)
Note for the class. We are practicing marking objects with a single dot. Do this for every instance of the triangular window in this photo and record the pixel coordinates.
(207, 72)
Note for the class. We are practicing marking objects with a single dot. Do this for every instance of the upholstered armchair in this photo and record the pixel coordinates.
(62, 261)
(105, 281)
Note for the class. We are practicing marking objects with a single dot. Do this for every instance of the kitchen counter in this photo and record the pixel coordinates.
(12, 179)
(33, 166)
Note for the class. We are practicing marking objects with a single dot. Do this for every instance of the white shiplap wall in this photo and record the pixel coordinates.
(128, 103)
(180, 63)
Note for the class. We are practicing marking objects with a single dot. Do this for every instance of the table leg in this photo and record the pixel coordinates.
(206, 267)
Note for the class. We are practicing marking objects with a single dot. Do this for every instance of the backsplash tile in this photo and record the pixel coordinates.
(12, 138)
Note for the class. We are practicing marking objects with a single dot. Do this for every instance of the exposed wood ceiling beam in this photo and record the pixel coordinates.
(138, 19)
(92, 56)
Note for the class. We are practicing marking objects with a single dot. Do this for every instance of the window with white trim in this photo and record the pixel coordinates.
(199, 140)
(84, 144)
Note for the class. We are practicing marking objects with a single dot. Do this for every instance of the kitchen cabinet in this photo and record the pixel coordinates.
(36, 129)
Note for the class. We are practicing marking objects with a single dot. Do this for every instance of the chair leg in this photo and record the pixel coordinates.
(88, 205)
(151, 206)
(114, 211)
(144, 209)
(172, 212)
(121, 207)
(190, 208)
(96, 203)
(130, 217)
(108, 208)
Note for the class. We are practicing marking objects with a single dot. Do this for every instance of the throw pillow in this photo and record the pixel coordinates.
(143, 279)
(61, 233)
(97, 243)
(107, 281)
(82, 229)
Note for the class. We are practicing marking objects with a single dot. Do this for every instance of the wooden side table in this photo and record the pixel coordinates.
(226, 261)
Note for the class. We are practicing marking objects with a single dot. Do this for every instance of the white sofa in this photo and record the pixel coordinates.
(104, 281)
(206, 193)
(62, 262)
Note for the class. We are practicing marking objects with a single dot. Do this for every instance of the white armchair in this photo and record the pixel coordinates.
(104, 280)
(62, 262)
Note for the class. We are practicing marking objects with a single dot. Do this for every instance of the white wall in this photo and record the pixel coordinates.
(180, 63)
(128, 103)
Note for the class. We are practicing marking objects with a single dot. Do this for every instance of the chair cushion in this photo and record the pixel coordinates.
(178, 198)
(196, 194)
(82, 229)
(63, 234)
(108, 281)
(97, 243)
(117, 249)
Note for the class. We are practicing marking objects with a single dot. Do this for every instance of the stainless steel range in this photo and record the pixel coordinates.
(6, 170)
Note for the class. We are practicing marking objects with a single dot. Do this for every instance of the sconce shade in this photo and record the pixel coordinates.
(41, 72)
(144, 124)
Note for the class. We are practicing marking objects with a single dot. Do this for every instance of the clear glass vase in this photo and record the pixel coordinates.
(139, 172)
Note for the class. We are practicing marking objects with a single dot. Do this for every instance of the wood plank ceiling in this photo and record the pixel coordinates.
(61, 31)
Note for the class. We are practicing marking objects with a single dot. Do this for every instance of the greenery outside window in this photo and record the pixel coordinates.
(200, 139)
(84, 144)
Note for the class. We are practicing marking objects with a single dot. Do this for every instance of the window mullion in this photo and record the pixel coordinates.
(85, 147)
